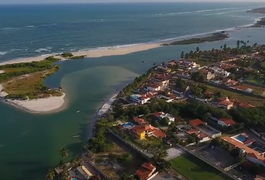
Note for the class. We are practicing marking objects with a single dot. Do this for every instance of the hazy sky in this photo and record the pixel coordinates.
(104, 1)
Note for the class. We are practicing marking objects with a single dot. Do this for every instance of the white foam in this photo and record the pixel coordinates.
(47, 49)
(2, 53)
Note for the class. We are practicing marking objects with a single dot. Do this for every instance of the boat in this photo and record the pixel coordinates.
(76, 136)
(77, 112)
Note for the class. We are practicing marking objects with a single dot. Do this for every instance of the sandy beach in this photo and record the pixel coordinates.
(95, 53)
(43, 105)
(102, 110)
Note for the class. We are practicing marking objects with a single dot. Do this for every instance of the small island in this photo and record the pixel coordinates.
(21, 84)
(209, 38)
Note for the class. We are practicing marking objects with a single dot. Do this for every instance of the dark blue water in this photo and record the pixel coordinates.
(33, 30)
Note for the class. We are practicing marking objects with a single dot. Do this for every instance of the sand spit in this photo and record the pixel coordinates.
(95, 53)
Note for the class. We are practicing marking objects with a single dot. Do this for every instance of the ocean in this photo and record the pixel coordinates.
(30, 143)
(33, 30)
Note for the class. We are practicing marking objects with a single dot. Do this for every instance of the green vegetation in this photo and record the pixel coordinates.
(195, 169)
(181, 84)
(77, 57)
(209, 38)
(99, 142)
(239, 96)
(251, 117)
(67, 55)
(198, 76)
(136, 84)
(124, 158)
(25, 80)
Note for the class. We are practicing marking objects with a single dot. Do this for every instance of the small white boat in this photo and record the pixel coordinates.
(77, 112)
(76, 136)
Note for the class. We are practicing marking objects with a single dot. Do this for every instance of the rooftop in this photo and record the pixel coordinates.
(195, 122)
(145, 170)
(228, 121)
(247, 149)
(139, 120)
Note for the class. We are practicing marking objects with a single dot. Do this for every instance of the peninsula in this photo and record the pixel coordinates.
(21, 85)
(197, 40)
(257, 10)
(189, 118)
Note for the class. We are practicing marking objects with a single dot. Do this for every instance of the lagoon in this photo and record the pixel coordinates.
(30, 143)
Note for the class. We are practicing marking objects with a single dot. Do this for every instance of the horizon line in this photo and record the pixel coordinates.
(117, 2)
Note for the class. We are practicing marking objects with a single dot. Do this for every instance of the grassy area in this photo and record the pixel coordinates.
(241, 97)
(30, 85)
(10, 70)
(195, 169)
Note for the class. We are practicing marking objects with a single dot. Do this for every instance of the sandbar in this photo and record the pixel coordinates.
(95, 53)
(41, 105)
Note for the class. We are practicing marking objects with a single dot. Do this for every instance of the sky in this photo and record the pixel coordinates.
(106, 1)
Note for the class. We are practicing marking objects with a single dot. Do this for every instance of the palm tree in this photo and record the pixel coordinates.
(182, 55)
(63, 152)
(50, 174)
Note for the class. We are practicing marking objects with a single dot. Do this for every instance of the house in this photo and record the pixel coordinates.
(230, 82)
(226, 122)
(162, 115)
(209, 75)
(187, 64)
(219, 72)
(204, 128)
(153, 87)
(146, 130)
(161, 77)
(141, 98)
(259, 132)
(251, 154)
(138, 120)
(201, 136)
(238, 104)
(224, 103)
(196, 122)
(243, 88)
(83, 171)
(146, 171)
(163, 69)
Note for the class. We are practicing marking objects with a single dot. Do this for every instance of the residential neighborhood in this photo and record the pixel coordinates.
(202, 113)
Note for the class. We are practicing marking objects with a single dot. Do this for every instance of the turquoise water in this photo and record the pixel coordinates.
(30, 143)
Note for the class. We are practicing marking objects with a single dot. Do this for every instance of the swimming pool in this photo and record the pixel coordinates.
(128, 125)
(74, 179)
(241, 138)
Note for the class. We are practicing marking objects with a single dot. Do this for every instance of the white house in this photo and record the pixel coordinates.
(153, 87)
(162, 115)
(140, 99)
(226, 122)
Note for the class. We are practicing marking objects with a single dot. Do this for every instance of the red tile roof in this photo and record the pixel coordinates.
(138, 120)
(195, 122)
(242, 88)
(158, 113)
(159, 133)
(251, 152)
(143, 127)
(145, 171)
(227, 121)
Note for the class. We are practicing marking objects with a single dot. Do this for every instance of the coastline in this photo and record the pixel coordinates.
(37, 106)
(96, 53)
(106, 105)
